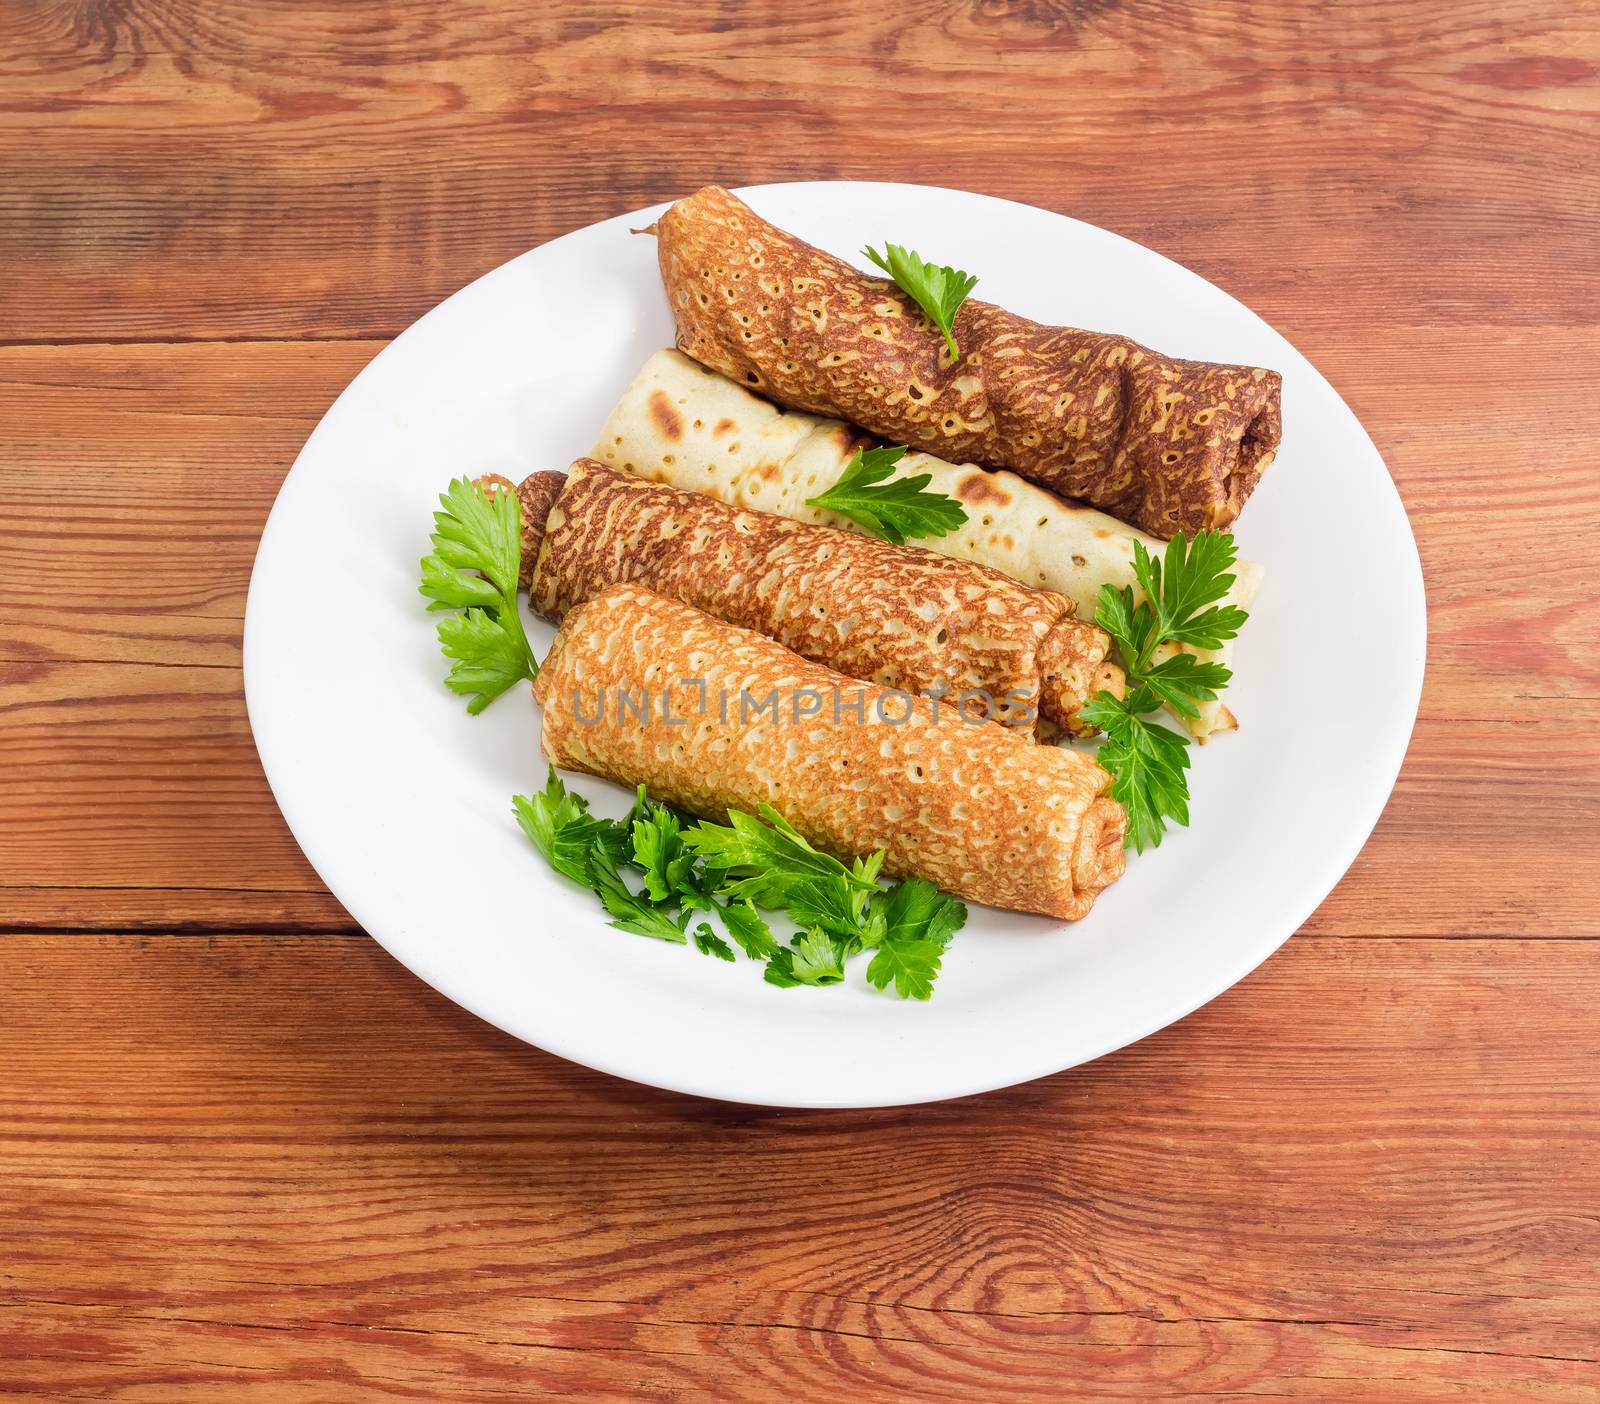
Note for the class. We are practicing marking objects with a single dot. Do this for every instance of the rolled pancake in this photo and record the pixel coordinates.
(970, 806)
(895, 615)
(1168, 445)
(681, 424)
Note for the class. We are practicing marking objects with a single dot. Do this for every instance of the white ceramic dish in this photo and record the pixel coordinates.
(402, 801)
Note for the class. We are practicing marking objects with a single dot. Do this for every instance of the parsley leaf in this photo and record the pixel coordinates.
(897, 510)
(767, 852)
(559, 825)
(1182, 680)
(707, 942)
(765, 862)
(658, 849)
(870, 868)
(731, 869)
(1103, 711)
(630, 912)
(916, 910)
(814, 958)
(573, 841)
(818, 958)
(834, 904)
(936, 288)
(841, 904)
(479, 530)
(918, 921)
(1148, 762)
(487, 657)
(1178, 586)
(746, 926)
(913, 966)
(476, 544)
(696, 889)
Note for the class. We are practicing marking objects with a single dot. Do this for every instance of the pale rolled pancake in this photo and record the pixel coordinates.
(895, 615)
(682, 424)
(971, 806)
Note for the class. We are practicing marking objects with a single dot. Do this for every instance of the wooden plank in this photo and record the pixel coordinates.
(84, 907)
(245, 1163)
(137, 776)
(228, 170)
(132, 494)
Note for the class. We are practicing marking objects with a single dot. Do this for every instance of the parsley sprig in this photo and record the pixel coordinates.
(1181, 591)
(737, 870)
(936, 288)
(477, 546)
(895, 510)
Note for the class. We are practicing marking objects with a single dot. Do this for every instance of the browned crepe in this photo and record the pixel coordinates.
(970, 806)
(898, 615)
(1168, 445)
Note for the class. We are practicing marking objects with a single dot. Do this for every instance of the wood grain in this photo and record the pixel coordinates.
(193, 160)
(289, 1166)
(271, 1165)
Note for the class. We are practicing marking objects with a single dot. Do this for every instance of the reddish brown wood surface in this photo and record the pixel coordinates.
(243, 1155)
(1369, 1172)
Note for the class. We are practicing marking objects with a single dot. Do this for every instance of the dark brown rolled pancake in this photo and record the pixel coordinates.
(1165, 444)
(970, 806)
(895, 615)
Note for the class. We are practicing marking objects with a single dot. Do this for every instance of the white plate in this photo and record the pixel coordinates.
(402, 801)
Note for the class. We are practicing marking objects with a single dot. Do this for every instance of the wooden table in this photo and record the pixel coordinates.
(245, 1156)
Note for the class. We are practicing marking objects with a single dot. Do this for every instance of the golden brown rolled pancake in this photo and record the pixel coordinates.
(899, 616)
(1168, 445)
(682, 424)
(970, 806)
